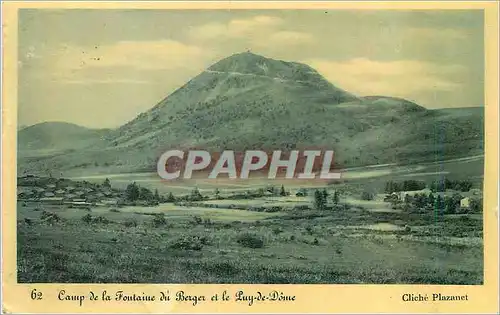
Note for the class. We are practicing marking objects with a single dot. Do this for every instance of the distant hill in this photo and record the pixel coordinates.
(57, 135)
(247, 101)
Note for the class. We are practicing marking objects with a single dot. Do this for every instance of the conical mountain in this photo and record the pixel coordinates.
(238, 99)
(247, 101)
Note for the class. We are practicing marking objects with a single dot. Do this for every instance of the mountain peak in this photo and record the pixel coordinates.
(251, 63)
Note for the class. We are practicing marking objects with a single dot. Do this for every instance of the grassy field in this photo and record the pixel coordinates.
(173, 244)
(218, 241)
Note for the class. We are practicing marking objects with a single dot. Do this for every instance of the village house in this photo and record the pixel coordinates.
(465, 202)
(52, 200)
(38, 190)
(25, 195)
(110, 202)
(69, 196)
(80, 204)
(79, 193)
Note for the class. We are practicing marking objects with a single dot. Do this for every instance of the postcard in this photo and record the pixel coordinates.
(250, 157)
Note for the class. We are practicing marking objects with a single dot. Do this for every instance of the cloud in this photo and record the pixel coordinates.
(160, 54)
(403, 78)
(436, 33)
(106, 81)
(259, 31)
(290, 38)
(122, 62)
(234, 28)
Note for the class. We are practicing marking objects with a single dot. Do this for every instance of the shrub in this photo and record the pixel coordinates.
(114, 210)
(365, 195)
(130, 223)
(250, 240)
(50, 217)
(189, 243)
(274, 209)
(87, 218)
(159, 220)
(197, 220)
(207, 221)
(101, 219)
(309, 230)
(277, 230)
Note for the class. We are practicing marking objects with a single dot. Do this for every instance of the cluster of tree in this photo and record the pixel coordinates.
(407, 185)
(134, 192)
(429, 202)
(321, 199)
(442, 185)
(195, 195)
(260, 192)
(170, 198)
(435, 186)
(275, 191)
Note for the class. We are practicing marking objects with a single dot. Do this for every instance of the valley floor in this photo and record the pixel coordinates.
(203, 245)
(221, 241)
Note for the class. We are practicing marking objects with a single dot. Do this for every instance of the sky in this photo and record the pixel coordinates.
(101, 68)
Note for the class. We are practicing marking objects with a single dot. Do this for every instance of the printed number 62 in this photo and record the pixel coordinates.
(36, 295)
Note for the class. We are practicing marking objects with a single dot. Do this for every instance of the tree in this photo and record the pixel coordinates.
(389, 187)
(217, 193)
(464, 185)
(260, 192)
(319, 200)
(282, 191)
(271, 189)
(476, 205)
(451, 203)
(145, 194)
(325, 195)
(420, 200)
(132, 192)
(157, 196)
(195, 195)
(431, 199)
(170, 197)
(439, 205)
(106, 183)
(336, 197)
(408, 199)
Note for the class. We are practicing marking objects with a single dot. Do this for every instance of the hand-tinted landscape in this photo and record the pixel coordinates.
(408, 208)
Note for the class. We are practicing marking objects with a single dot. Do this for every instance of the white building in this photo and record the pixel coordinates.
(465, 202)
